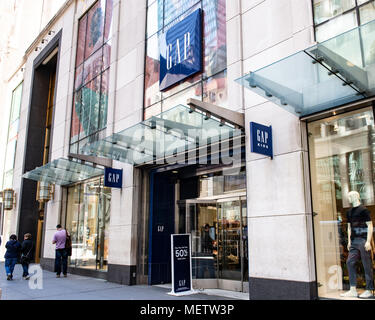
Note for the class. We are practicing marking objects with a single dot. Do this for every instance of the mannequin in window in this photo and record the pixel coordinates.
(360, 230)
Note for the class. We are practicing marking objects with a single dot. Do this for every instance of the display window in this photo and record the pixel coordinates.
(87, 220)
(342, 163)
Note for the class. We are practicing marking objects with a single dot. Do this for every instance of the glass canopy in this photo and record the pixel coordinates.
(63, 172)
(169, 134)
(332, 73)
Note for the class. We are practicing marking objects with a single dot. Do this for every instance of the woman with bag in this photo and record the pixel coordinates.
(11, 255)
(26, 255)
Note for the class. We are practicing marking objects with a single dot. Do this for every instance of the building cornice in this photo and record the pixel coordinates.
(42, 34)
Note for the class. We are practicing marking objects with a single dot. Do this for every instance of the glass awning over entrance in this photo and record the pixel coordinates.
(64, 172)
(169, 134)
(332, 73)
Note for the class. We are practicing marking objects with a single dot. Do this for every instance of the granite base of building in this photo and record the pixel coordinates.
(273, 289)
(121, 274)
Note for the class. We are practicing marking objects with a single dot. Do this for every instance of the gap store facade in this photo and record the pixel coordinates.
(166, 90)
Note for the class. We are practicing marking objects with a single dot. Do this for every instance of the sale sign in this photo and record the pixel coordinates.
(181, 263)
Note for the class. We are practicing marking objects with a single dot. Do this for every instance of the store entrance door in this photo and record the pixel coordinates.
(219, 241)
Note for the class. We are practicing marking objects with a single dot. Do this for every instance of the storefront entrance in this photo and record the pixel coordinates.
(219, 241)
(212, 208)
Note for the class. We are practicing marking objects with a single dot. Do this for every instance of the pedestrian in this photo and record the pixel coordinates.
(26, 255)
(11, 255)
(61, 256)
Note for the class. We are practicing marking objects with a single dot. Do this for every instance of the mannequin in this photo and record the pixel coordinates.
(360, 230)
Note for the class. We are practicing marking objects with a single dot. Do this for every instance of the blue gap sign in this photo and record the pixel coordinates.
(113, 178)
(181, 50)
(261, 139)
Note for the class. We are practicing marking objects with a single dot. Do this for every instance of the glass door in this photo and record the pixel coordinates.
(103, 223)
(218, 231)
(201, 222)
(232, 244)
(229, 239)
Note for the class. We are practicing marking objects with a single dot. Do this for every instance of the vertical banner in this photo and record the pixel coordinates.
(181, 264)
(181, 50)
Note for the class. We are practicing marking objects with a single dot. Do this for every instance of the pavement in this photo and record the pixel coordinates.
(44, 285)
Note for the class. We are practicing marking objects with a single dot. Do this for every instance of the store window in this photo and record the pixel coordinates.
(342, 162)
(87, 219)
(333, 17)
(90, 101)
(209, 85)
(10, 153)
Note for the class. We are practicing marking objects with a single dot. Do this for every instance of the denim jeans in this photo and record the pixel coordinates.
(25, 267)
(9, 265)
(357, 250)
(61, 259)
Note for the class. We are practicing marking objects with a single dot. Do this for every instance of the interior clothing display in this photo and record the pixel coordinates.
(357, 217)
(357, 250)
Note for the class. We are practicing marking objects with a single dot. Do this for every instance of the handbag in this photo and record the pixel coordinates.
(25, 257)
(68, 244)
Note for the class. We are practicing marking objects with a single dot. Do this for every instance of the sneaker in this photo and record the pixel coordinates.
(57, 276)
(350, 293)
(27, 277)
(366, 294)
(65, 275)
(8, 277)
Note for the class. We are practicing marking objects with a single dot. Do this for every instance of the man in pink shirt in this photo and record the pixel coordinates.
(61, 257)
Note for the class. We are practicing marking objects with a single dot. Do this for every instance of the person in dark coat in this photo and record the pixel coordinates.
(11, 255)
(27, 251)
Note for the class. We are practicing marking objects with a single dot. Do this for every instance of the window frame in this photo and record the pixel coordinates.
(95, 134)
(355, 8)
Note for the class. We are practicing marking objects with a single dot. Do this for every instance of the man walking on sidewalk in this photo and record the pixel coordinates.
(61, 257)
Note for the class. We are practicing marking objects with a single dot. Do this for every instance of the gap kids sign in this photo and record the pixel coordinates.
(261, 139)
(181, 50)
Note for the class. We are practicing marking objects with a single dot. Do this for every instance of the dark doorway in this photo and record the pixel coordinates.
(162, 226)
(38, 141)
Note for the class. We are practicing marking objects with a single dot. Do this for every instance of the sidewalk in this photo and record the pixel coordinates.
(76, 287)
